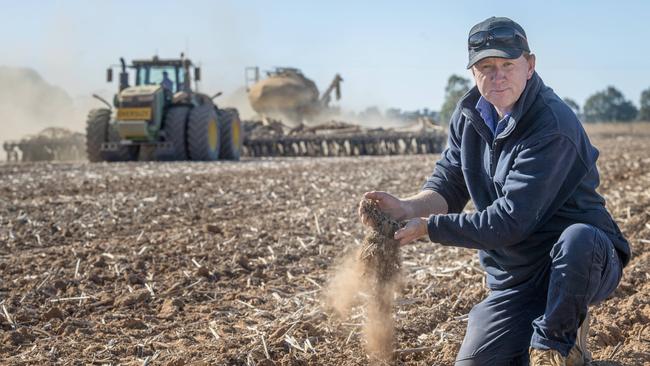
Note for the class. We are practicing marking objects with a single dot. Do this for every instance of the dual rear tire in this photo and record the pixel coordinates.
(210, 134)
(203, 135)
(231, 134)
(175, 131)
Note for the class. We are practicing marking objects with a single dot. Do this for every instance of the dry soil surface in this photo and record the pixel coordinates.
(227, 263)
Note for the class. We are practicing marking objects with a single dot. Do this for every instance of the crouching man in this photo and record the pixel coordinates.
(547, 243)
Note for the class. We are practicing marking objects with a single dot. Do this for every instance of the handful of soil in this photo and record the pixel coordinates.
(381, 263)
(380, 252)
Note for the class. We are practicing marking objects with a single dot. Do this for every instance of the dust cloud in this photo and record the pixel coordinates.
(238, 99)
(344, 288)
(28, 104)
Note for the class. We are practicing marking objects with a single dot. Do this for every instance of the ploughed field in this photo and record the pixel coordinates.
(228, 263)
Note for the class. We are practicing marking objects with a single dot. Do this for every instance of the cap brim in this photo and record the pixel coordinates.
(510, 53)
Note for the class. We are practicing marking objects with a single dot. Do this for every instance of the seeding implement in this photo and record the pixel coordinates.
(296, 120)
(341, 139)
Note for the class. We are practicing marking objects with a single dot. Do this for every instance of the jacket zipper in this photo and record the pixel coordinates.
(492, 150)
(495, 142)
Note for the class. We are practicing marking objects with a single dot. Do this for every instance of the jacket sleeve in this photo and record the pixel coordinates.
(447, 178)
(542, 178)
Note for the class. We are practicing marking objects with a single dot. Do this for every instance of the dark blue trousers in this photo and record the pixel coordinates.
(546, 311)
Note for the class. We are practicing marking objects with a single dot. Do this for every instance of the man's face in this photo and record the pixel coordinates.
(501, 81)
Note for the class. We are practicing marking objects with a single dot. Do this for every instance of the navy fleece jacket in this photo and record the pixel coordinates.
(528, 184)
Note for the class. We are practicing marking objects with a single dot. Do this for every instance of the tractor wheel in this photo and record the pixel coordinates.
(96, 133)
(203, 133)
(174, 126)
(231, 134)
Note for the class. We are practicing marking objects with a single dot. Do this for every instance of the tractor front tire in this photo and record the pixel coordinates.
(203, 133)
(96, 133)
(175, 127)
(231, 134)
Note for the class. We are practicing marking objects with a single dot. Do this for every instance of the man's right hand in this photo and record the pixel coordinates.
(388, 204)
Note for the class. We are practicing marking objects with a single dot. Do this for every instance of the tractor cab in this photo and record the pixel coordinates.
(155, 71)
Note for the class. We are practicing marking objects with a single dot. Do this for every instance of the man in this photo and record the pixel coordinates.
(166, 82)
(546, 241)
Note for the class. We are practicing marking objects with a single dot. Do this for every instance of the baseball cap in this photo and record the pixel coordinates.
(496, 37)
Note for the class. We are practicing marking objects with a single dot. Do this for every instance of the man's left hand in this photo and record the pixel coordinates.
(415, 229)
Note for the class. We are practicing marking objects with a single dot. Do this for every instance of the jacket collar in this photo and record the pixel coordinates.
(522, 106)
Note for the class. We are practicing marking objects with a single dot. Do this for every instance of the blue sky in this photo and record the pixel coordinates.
(390, 54)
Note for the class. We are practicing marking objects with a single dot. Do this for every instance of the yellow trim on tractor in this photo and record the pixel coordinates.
(126, 114)
(213, 134)
(235, 135)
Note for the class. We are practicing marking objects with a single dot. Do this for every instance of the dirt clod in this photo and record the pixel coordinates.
(135, 278)
(53, 313)
(244, 263)
(134, 298)
(213, 228)
(203, 271)
(100, 262)
(170, 307)
(60, 284)
(133, 324)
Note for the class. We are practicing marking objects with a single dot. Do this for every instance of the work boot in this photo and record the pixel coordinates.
(546, 357)
(579, 354)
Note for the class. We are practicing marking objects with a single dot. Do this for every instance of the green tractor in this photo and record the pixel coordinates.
(160, 117)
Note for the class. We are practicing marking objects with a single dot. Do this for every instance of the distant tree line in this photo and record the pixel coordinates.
(608, 105)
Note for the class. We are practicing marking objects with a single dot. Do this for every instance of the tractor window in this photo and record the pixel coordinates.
(155, 76)
(181, 78)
